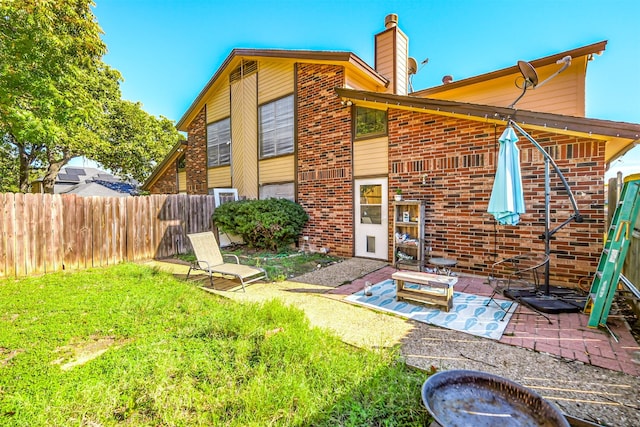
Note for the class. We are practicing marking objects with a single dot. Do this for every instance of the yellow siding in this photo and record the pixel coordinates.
(357, 81)
(218, 105)
(219, 177)
(564, 94)
(244, 133)
(370, 157)
(279, 169)
(182, 181)
(276, 80)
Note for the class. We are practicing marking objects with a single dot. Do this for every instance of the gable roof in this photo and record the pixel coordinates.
(620, 136)
(347, 58)
(589, 50)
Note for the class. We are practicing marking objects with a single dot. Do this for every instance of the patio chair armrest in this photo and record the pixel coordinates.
(196, 265)
(232, 256)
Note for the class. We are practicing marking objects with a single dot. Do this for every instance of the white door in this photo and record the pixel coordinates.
(371, 218)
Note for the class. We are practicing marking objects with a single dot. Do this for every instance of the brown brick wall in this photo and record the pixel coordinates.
(196, 155)
(324, 163)
(456, 160)
(167, 183)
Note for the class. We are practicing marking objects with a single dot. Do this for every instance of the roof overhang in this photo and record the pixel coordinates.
(348, 59)
(620, 136)
(589, 50)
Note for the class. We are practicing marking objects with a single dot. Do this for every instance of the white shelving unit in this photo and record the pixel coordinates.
(408, 235)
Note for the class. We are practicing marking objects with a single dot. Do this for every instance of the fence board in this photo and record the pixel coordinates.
(3, 242)
(34, 255)
(57, 218)
(109, 231)
(84, 211)
(69, 233)
(22, 238)
(45, 238)
(8, 234)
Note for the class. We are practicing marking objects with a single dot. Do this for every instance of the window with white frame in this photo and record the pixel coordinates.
(276, 127)
(219, 143)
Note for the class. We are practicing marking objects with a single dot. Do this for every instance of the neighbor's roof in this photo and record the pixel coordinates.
(595, 48)
(102, 188)
(305, 55)
(620, 136)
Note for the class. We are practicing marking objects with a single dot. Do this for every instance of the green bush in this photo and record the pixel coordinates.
(268, 224)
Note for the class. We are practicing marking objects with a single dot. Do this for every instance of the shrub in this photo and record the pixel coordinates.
(268, 224)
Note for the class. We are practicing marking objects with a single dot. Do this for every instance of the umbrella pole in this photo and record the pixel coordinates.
(577, 217)
(547, 219)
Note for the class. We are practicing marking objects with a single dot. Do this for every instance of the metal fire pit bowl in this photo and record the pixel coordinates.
(471, 398)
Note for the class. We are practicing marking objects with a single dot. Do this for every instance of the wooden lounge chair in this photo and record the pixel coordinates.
(210, 260)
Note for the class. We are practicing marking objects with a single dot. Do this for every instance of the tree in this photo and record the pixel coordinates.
(57, 97)
(137, 141)
(8, 166)
(50, 60)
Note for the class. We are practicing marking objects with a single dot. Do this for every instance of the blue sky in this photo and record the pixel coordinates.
(167, 50)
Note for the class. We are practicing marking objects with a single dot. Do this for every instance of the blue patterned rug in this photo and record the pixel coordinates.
(468, 314)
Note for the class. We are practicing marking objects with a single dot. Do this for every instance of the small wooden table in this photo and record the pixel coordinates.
(443, 265)
(432, 288)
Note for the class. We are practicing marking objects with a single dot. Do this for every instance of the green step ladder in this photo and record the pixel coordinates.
(605, 282)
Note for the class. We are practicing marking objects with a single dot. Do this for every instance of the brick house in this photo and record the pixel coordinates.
(321, 127)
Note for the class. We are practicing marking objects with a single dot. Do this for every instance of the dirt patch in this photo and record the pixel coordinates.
(81, 352)
(7, 354)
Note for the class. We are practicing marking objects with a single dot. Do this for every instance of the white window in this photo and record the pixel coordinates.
(276, 128)
(223, 195)
(219, 143)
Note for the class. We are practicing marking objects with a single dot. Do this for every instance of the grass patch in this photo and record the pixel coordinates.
(278, 266)
(129, 345)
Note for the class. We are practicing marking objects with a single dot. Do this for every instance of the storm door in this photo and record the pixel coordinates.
(371, 218)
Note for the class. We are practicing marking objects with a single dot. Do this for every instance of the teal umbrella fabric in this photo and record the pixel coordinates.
(507, 200)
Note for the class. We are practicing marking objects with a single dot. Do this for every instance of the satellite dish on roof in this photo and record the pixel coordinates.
(412, 66)
(529, 73)
(530, 76)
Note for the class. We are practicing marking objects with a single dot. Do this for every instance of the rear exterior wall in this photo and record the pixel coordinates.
(449, 163)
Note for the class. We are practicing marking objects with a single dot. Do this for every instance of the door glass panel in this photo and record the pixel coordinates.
(371, 204)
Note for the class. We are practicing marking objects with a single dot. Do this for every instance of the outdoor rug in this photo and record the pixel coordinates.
(468, 314)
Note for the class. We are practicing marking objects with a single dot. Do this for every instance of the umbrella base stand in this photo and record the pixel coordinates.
(558, 300)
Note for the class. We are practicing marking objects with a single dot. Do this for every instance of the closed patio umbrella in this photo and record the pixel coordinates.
(507, 201)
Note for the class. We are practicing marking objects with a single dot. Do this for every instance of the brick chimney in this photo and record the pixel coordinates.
(392, 55)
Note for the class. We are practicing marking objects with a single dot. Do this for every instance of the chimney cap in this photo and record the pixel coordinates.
(391, 20)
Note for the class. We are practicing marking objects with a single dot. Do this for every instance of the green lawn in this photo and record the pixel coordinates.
(129, 345)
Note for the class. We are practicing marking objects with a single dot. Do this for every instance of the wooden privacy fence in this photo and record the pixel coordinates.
(43, 233)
